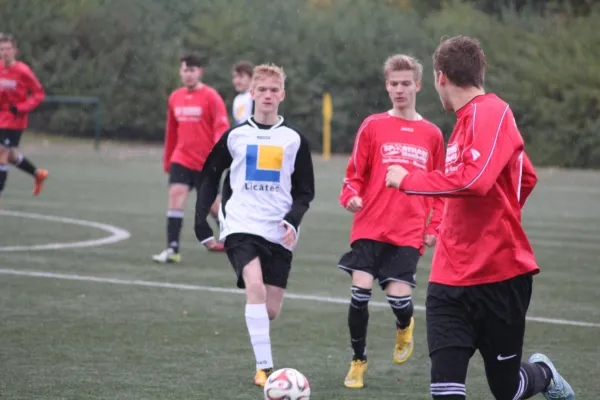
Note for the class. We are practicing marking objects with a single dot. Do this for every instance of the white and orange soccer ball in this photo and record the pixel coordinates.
(287, 384)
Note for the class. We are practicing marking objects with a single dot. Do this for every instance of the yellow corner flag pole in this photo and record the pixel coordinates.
(327, 113)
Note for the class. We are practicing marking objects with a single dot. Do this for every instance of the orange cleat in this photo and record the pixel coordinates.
(40, 176)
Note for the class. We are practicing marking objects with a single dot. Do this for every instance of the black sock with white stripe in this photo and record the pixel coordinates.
(25, 165)
(535, 378)
(403, 309)
(174, 225)
(3, 176)
(358, 320)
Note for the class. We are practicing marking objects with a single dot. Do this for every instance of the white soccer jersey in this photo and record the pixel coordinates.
(242, 107)
(270, 180)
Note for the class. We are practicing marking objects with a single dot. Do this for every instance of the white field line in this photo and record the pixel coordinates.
(116, 234)
(212, 289)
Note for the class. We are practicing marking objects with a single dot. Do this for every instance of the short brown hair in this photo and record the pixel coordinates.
(402, 62)
(462, 60)
(268, 71)
(244, 67)
(7, 37)
(193, 59)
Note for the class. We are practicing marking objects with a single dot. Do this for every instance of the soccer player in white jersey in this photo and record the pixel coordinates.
(241, 79)
(266, 193)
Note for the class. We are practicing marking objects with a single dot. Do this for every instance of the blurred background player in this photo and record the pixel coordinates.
(20, 93)
(390, 228)
(196, 119)
(265, 196)
(242, 104)
(481, 275)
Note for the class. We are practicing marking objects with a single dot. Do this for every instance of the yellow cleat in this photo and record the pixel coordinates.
(356, 375)
(404, 343)
(260, 379)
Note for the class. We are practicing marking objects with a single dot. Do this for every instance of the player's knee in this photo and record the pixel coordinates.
(362, 279)
(4, 153)
(256, 292)
(177, 196)
(449, 373)
(273, 310)
(14, 157)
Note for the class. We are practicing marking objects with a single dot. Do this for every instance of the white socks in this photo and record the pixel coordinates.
(257, 321)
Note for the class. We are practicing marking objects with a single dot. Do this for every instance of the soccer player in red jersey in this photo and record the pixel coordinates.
(481, 277)
(20, 93)
(390, 228)
(196, 119)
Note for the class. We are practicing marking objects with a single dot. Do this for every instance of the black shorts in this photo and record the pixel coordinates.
(10, 138)
(275, 260)
(384, 261)
(185, 176)
(489, 317)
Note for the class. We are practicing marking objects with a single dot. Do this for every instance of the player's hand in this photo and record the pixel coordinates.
(395, 175)
(13, 109)
(289, 237)
(430, 240)
(354, 205)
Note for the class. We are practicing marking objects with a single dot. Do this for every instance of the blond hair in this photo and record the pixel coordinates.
(261, 72)
(402, 62)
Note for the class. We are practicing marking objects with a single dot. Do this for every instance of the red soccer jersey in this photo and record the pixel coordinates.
(196, 120)
(19, 87)
(487, 180)
(388, 215)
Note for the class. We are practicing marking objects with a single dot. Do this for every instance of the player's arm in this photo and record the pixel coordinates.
(358, 166)
(219, 118)
(170, 137)
(528, 179)
(439, 161)
(482, 161)
(35, 89)
(217, 162)
(303, 186)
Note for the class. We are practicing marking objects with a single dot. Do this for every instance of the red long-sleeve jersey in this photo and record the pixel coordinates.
(487, 180)
(388, 215)
(19, 87)
(196, 120)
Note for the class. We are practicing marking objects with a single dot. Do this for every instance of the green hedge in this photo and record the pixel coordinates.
(126, 52)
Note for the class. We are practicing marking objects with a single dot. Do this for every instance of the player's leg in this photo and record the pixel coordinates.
(5, 145)
(397, 278)
(360, 263)
(179, 189)
(244, 253)
(451, 336)
(24, 164)
(257, 320)
(276, 263)
(502, 346)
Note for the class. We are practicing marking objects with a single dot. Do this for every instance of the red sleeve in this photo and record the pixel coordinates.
(358, 166)
(35, 89)
(482, 161)
(438, 202)
(170, 137)
(219, 118)
(528, 179)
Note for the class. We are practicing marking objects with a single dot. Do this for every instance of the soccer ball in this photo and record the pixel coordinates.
(287, 384)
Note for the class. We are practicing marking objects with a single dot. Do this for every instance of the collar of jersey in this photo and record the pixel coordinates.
(256, 125)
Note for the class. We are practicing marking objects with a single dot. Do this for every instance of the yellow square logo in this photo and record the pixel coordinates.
(270, 157)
